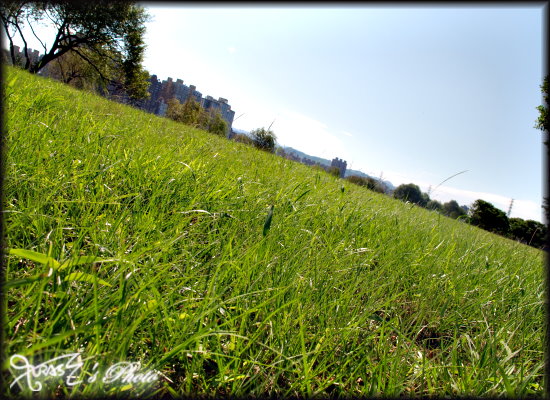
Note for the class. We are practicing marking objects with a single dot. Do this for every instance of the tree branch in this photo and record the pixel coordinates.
(37, 38)
(52, 55)
(105, 79)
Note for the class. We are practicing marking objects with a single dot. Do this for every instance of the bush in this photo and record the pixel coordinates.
(335, 171)
(242, 138)
(191, 113)
(216, 124)
(264, 139)
(175, 110)
(368, 182)
(452, 210)
(434, 205)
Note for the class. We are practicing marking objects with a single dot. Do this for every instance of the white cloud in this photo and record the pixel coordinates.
(346, 133)
(308, 135)
(231, 49)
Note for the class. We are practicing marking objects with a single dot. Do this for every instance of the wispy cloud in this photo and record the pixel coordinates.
(347, 133)
(231, 49)
(295, 130)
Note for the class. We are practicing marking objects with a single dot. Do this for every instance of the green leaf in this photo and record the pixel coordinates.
(83, 277)
(376, 318)
(267, 223)
(36, 257)
(83, 260)
(302, 195)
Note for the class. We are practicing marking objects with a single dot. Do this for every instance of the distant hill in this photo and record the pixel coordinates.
(301, 154)
(241, 131)
(324, 161)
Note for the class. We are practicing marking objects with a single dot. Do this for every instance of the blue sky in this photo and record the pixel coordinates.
(410, 94)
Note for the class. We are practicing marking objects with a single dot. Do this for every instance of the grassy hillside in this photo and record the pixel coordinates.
(338, 291)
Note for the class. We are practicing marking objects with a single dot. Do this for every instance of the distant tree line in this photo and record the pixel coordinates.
(368, 182)
(481, 214)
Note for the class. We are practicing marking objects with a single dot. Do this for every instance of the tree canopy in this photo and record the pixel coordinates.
(486, 216)
(109, 36)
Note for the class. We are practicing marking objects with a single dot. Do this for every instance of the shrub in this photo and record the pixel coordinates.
(242, 138)
(216, 124)
(434, 205)
(452, 209)
(191, 113)
(368, 182)
(335, 171)
(264, 139)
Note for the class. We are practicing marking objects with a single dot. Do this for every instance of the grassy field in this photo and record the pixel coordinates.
(235, 272)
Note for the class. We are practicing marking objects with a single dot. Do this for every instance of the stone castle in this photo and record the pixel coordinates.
(160, 92)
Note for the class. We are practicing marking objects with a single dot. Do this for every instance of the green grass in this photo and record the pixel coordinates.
(233, 271)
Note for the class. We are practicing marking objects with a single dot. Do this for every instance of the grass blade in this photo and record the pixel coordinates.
(36, 257)
(83, 260)
(83, 277)
(267, 223)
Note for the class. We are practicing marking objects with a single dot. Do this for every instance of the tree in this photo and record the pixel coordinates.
(452, 210)
(264, 139)
(101, 33)
(412, 193)
(486, 216)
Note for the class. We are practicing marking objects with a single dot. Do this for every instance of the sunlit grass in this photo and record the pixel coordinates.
(233, 271)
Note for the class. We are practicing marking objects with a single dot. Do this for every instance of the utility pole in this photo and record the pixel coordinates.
(510, 208)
